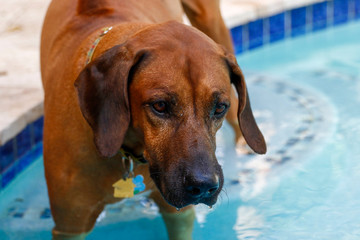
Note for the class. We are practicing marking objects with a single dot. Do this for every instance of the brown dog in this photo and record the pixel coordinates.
(153, 86)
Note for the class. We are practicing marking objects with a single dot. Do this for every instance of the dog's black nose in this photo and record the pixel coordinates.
(202, 186)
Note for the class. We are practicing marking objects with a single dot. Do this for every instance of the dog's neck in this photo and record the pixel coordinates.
(91, 51)
(107, 37)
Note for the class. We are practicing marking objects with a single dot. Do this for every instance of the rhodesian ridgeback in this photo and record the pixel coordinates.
(131, 91)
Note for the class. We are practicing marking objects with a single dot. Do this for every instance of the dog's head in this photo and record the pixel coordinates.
(170, 84)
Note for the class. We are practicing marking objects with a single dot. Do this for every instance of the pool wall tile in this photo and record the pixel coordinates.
(341, 11)
(256, 33)
(237, 36)
(287, 24)
(357, 9)
(266, 31)
(38, 130)
(319, 16)
(293, 23)
(24, 141)
(20, 165)
(277, 27)
(7, 155)
(298, 21)
(20, 152)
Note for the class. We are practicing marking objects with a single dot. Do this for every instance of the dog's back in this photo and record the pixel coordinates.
(68, 23)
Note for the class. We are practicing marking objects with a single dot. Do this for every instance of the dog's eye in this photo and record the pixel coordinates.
(220, 109)
(160, 107)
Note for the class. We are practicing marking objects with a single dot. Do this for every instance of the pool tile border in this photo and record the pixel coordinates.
(319, 16)
(294, 23)
(19, 152)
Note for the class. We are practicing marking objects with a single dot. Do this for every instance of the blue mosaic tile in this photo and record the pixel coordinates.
(309, 138)
(38, 130)
(298, 21)
(277, 27)
(302, 130)
(17, 210)
(256, 33)
(234, 182)
(18, 215)
(45, 214)
(341, 11)
(20, 164)
(357, 9)
(7, 155)
(285, 159)
(319, 16)
(281, 151)
(292, 141)
(298, 91)
(237, 37)
(23, 141)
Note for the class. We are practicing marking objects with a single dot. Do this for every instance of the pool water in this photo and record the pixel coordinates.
(305, 95)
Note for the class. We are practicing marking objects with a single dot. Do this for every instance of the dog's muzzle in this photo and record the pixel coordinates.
(181, 187)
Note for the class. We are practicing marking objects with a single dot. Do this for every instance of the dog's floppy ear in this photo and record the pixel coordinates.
(248, 126)
(102, 89)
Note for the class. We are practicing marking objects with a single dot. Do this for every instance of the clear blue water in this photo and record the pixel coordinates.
(305, 95)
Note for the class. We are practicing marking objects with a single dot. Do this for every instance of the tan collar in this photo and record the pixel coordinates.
(128, 161)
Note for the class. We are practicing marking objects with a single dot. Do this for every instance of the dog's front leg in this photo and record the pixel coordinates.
(179, 224)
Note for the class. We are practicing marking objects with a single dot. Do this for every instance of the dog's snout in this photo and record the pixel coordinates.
(202, 186)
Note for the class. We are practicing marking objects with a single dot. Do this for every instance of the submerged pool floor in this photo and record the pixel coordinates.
(305, 95)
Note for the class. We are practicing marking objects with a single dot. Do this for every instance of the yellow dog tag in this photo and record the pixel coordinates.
(129, 187)
(124, 188)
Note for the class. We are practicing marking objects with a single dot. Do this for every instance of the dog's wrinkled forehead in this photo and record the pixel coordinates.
(177, 51)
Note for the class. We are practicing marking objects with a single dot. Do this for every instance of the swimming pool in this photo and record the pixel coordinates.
(305, 97)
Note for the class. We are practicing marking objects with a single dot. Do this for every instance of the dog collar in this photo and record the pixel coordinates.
(127, 155)
(90, 53)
